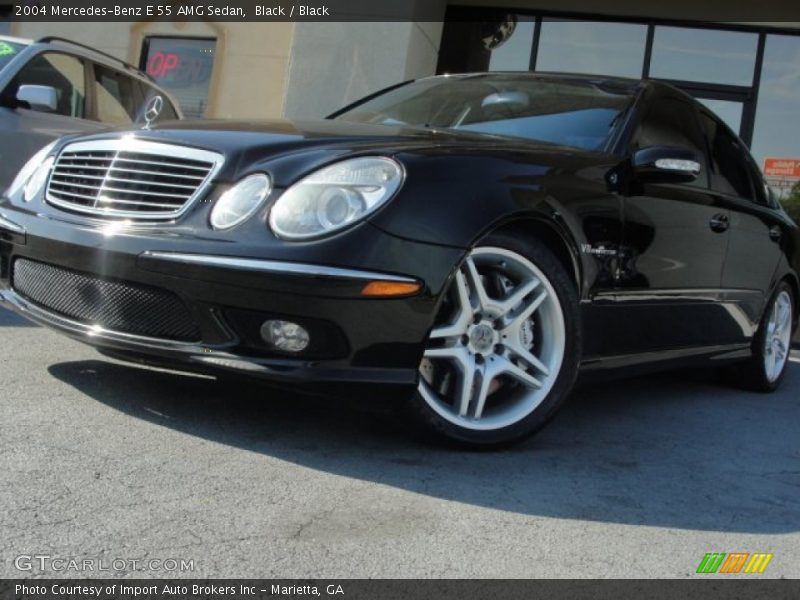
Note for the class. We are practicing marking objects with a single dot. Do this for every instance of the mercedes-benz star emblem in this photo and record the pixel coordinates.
(152, 110)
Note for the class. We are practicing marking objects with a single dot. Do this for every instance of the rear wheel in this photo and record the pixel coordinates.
(504, 350)
(771, 346)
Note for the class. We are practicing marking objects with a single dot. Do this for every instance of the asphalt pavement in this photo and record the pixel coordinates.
(103, 462)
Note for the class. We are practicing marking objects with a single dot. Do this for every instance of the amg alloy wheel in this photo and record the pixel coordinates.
(499, 344)
(771, 345)
(778, 340)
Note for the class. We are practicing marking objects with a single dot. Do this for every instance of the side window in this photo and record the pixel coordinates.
(115, 101)
(729, 159)
(760, 187)
(673, 122)
(61, 71)
(168, 112)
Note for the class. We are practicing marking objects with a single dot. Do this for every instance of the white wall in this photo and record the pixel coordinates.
(332, 64)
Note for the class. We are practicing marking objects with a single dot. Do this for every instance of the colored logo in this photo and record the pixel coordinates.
(735, 562)
(6, 50)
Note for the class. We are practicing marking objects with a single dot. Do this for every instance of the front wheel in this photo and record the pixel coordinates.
(505, 347)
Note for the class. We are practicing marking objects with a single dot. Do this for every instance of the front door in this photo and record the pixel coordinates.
(23, 131)
(675, 242)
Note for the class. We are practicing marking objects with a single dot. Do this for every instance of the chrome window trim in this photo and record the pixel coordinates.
(130, 143)
(274, 266)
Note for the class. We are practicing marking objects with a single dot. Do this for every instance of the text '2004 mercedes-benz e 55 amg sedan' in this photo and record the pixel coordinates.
(471, 242)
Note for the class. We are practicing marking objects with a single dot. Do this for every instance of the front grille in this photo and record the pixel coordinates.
(130, 178)
(115, 305)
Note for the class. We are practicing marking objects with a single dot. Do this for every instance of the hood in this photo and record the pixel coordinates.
(288, 149)
(230, 136)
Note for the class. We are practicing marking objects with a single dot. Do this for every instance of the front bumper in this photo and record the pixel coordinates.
(229, 287)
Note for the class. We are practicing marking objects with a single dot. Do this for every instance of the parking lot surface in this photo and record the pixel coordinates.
(639, 478)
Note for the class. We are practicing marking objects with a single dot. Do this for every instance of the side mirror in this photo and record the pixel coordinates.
(665, 164)
(38, 97)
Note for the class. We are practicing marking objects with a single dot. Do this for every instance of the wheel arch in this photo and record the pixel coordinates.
(531, 227)
(794, 283)
(554, 236)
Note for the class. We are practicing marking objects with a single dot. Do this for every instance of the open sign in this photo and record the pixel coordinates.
(161, 63)
(182, 66)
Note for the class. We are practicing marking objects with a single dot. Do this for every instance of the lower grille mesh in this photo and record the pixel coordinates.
(114, 305)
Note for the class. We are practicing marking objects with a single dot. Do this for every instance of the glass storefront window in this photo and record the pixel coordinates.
(5, 28)
(730, 112)
(515, 53)
(181, 66)
(713, 60)
(777, 127)
(704, 55)
(596, 48)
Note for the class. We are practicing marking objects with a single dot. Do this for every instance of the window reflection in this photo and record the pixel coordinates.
(706, 55)
(777, 130)
(576, 113)
(596, 48)
(707, 58)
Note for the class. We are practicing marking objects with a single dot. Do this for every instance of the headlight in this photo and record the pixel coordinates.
(240, 202)
(33, 175)
(335, 197)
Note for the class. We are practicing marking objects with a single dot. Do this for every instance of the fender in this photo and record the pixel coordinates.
(556, 192)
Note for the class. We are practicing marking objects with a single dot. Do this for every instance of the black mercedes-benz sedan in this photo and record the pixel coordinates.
(466, 243)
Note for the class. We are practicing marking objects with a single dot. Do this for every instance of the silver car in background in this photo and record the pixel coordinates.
(54, 87)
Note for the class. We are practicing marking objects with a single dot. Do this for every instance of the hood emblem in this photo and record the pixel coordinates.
(152, 110)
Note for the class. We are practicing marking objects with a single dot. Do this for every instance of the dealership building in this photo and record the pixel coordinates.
(747, 72)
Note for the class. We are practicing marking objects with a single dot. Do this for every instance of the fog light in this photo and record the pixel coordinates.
(285, 335)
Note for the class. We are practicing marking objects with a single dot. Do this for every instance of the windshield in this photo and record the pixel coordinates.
(572, 113)
(8, 50)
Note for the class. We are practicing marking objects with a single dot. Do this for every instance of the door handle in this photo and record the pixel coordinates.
(775, 233)
(719, 223)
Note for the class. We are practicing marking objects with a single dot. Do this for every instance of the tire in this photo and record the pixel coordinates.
(504, 350)
(771, 346)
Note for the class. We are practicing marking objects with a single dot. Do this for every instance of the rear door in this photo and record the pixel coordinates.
(756, 230)
(115, 97)
(121, 100)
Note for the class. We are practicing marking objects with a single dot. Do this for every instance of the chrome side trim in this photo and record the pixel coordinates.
(129, 143)
(274, 266)
(10, 225)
